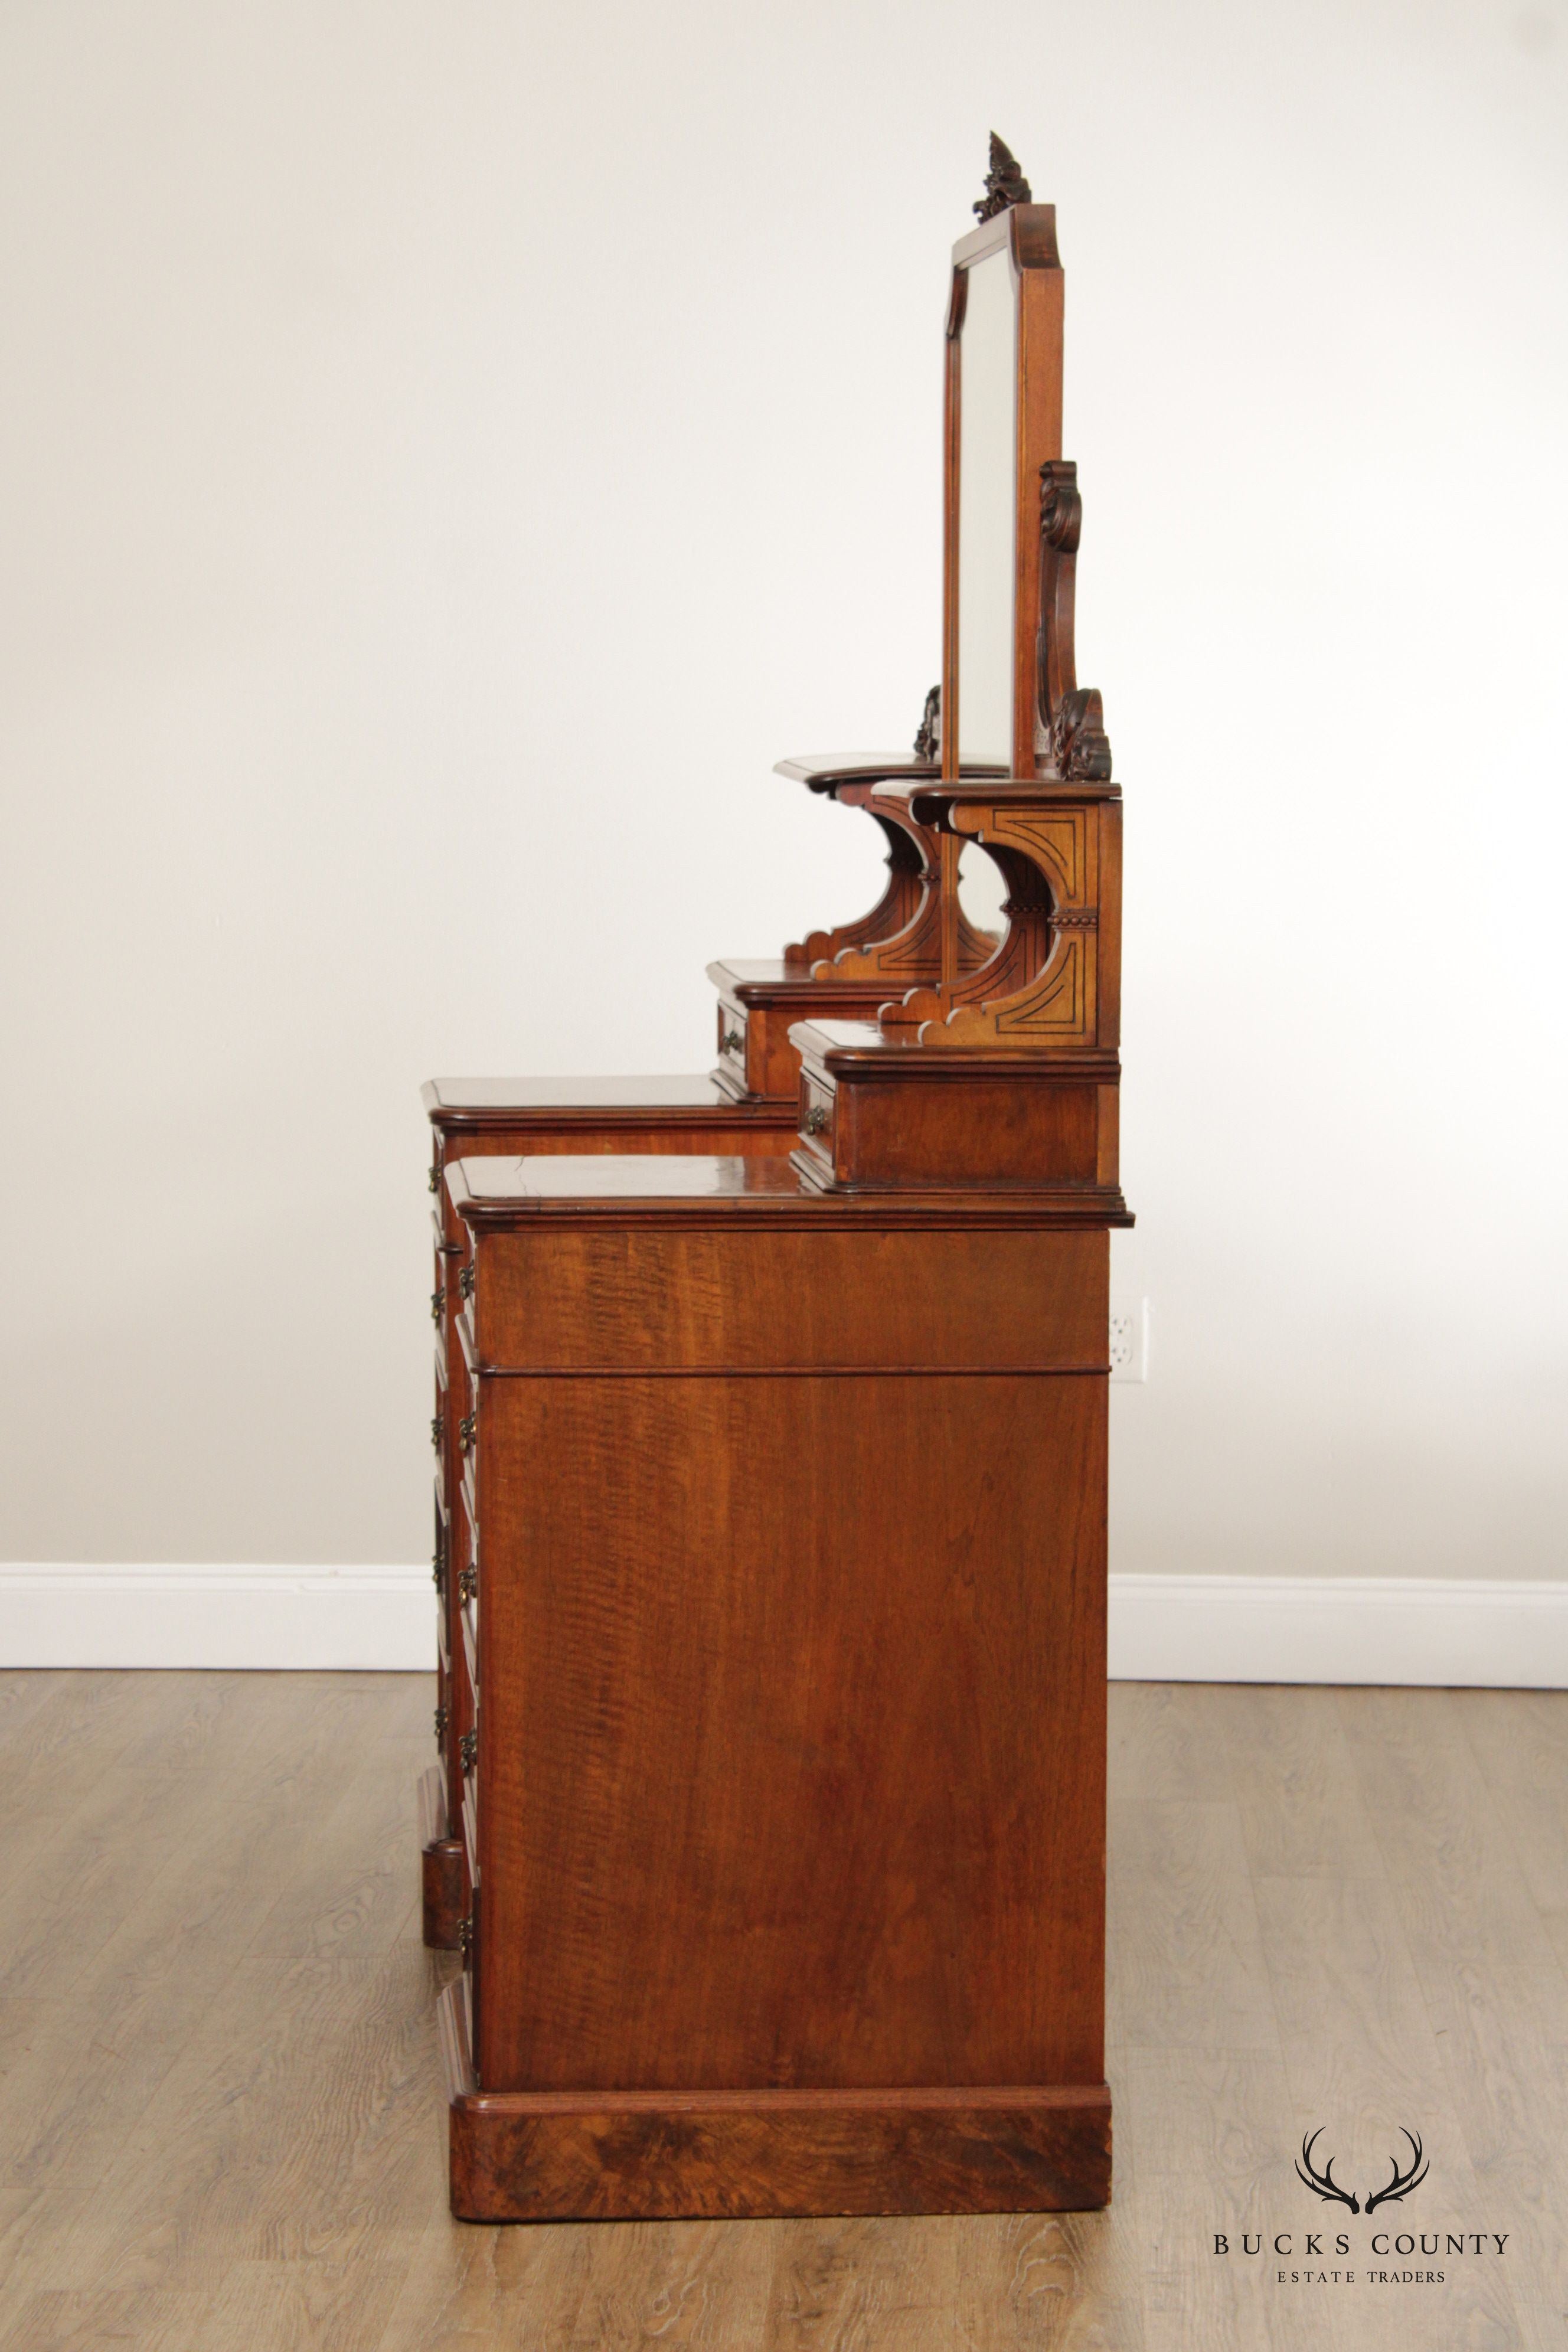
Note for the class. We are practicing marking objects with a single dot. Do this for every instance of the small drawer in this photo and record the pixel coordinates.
(817, 1110)
(732, 1038)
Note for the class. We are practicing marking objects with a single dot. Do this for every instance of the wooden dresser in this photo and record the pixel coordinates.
(771, 1475)
(785, 1814)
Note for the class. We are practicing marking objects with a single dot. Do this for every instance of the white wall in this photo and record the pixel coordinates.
(449, 453)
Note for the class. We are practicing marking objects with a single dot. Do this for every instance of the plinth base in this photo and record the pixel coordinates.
(522, 2156)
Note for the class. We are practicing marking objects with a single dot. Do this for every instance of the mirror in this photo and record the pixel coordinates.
(987, 509)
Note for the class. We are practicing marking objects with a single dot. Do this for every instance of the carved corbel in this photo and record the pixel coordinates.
(900, 938)
(1042, 986)
(913, 951)
(895, 913)
(1054, 997)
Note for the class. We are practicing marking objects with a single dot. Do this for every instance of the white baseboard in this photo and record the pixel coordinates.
(1458, 1632)
(339, 1618)
(1217, 1629)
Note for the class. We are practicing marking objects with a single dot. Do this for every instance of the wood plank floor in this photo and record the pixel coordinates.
(220, 2124)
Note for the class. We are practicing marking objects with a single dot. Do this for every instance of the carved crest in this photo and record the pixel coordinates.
(928, 738)
(1005, 183)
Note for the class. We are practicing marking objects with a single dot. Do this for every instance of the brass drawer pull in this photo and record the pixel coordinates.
(469, 1748)
(435, 1431)
(436, 1177)
(469, 1584)
(466, 1281)
(435, 1299)
(465, 1936)
(438, 1572)
(466, 1433)
(816, 1119)
(732, 1041)
(440, 1725)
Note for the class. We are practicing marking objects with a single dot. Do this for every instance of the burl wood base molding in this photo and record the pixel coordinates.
(440, 1866)
(663, 2156)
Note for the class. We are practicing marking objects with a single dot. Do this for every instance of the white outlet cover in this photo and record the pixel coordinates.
(1130, 1340)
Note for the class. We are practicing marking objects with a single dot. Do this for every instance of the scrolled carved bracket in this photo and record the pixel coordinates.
(901, 937)
(1061, 506)
(1070, 742)
(1005, 183)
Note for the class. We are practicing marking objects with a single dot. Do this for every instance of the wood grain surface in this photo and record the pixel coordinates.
(220, 2100)
(815, 1791)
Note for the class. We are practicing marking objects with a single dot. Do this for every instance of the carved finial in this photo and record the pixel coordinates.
(1005, 183)
(928, 741)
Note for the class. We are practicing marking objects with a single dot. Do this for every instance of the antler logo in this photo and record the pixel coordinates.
(1324, 2184)
(1402, 2183)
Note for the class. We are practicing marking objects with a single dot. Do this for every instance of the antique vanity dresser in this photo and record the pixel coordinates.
(770, 1494)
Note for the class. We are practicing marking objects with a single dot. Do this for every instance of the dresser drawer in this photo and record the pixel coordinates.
(732, 1038)
(818, 1110)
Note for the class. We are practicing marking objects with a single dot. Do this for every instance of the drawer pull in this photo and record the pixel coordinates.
(469, 1748)
(438, 1573)
(466, 1281)
(465, 1936)
(466, 1433)
(436, 1177)
(816, 1119)
(435, 1431)
(435, 1308)
(731, 1042)
(440, 1725)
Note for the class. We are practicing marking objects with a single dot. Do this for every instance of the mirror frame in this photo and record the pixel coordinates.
(1029, 233)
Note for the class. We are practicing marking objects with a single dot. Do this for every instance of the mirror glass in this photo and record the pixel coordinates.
(987, 511)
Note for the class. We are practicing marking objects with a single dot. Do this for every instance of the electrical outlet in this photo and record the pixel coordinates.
(1130, 1342)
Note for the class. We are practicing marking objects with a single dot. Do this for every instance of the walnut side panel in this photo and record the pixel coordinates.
(794, 1696)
